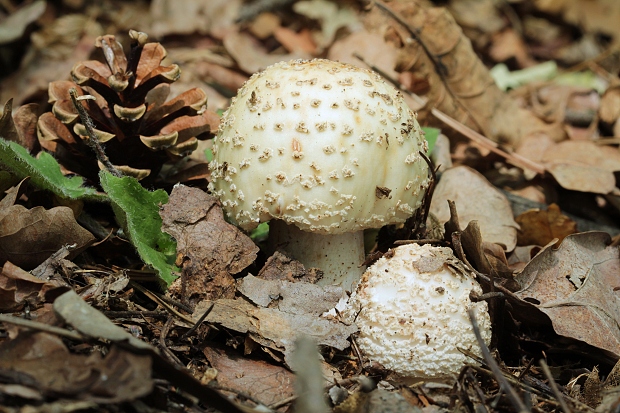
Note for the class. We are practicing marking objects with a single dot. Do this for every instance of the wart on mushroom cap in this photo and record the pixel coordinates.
(309, 143)
(412, 312)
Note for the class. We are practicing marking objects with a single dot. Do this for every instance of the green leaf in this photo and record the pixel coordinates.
(209, 154)
(137, 211)
(505, 79)
(44, 173)
(431, 135)
(260, 233)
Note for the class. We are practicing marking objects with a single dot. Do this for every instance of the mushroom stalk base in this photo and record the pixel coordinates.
(339, 256)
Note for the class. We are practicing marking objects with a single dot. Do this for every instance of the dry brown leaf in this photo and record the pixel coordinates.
(220, 75)
(19, 288)
(576, 286)
(476, 199)
(480, 15)
(371, 46)
(583, 165)
(331, 16)
(290, 297)
(55, 49)
(461, 85)
(25, 119)
(251, 56)
(609, 110)
(29, 236)
(213, 17)
(264, 25)
(210, 249)
(265, 382)
(273, 328)
(549, 101)
(14, 26)
(281, 267)
(20, 125)
(594, 16)
(8, 130)
(293, 41)
(539, 227)
(53, 370)
(508, 44)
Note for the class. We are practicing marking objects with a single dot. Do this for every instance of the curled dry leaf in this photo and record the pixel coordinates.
(53, 370)
(576, 286)
(281, 267)
(476, 199)
(463, 88)
(290, 297)
(18, 288)
(609, 111)
(29, 236)
(583, 165)
(372, 47)
(331, 16)
(272, 328)
(251, 56)
(539, 227)
(14, 26)
(185, 17)
(210, 250)
(265, 382)
(598, 16)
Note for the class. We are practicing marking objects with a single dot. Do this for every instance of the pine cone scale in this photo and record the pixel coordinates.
(139, 128)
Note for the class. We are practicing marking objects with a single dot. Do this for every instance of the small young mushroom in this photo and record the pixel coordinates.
(324, 149)
(412, 312)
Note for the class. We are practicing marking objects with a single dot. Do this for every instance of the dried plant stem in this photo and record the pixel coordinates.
(554, 387)
(37, 326)
(91, 139)
(497, 373)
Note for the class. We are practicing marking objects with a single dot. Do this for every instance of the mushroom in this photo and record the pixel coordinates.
(412, 312)
(325, 149)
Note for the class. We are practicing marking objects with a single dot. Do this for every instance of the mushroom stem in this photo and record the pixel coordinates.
(339, 256)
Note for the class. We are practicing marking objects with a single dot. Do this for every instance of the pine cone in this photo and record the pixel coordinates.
(139, 129)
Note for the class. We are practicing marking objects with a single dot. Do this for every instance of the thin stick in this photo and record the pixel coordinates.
(35, 325)
(163, 303)
(91, 139)
(554, 386)
(497, 373)
(198, 323)
(514, 158)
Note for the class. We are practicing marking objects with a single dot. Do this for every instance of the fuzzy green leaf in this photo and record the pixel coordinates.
(431, 135)
(44, 173)
(137, 212)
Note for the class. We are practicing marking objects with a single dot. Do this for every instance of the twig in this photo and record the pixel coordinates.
(35, 325)
(162, 343)
(161, 302)
(282, 403)
(91, 140)
(497, 373)
(133, 314)
(513, 158)
(199, 322)
(554, 386)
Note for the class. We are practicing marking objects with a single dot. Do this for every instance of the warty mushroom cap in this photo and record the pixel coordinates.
(412, 312)
(327, 146)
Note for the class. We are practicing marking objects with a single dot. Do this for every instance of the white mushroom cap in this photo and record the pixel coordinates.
(327, 146)
(412, 312)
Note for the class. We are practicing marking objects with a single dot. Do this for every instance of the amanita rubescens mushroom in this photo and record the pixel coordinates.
(326, 149)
